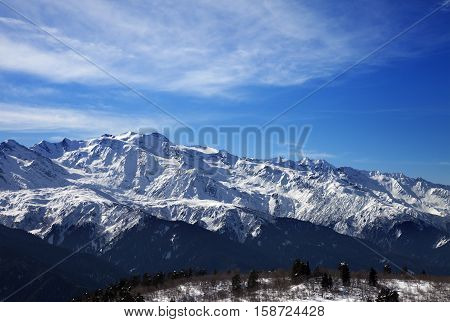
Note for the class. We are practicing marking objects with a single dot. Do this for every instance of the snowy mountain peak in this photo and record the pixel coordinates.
(316, 164)
(56, 150)
(128, 136)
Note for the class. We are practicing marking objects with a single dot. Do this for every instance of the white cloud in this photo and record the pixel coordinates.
(57, 66)
(318, 155)
(198, 47)
(23, 90)
(21, 118)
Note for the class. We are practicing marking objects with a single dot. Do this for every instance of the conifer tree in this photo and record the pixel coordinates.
(373, 277)
(236, 283)
(252, 282)
(299, 271)
(345, 274)
(324, 281)
(327, 281)
(146, 279)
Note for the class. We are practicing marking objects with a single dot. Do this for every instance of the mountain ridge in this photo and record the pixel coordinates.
(103, 181)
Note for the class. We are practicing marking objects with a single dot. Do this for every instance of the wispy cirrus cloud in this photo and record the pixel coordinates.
(318, 155)
(90, 121)
(197, 47)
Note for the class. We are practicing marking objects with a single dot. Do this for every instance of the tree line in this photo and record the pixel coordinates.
(300, 272)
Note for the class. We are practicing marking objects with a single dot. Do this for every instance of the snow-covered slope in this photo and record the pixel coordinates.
(112, 181)
(280, 289)
(21, 168)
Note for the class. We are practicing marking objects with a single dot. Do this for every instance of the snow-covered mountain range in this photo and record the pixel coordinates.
(112, 182)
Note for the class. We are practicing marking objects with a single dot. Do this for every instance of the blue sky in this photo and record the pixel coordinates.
(240, 63)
